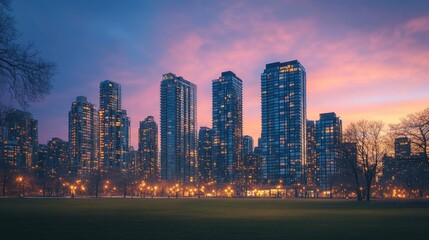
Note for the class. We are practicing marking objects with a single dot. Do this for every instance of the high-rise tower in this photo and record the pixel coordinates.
(83, 136)
(178, 129)
(227, 106)
(328, 141)
(283, 93)
(114, 126)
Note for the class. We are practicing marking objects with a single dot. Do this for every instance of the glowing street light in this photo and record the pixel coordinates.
(20, 181)
(72, 190)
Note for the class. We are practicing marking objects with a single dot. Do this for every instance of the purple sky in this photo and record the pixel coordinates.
(364, 59)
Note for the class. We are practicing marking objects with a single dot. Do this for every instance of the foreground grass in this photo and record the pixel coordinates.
(211, 219)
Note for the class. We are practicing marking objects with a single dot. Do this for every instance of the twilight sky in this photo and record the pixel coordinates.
(364, 59)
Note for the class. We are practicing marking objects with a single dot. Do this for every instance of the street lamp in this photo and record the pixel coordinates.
(72, 191)
(20, 181)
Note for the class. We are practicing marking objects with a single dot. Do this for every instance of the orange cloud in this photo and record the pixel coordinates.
(378, 75)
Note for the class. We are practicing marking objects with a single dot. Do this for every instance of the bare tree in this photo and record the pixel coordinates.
(95, 178)
(7, 171)
(415, 127)
(349, 170)
(24, 75)
(371, 147)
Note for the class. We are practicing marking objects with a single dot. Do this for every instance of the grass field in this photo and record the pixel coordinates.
(211, 219)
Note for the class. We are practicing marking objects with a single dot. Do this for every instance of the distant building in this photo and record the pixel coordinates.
(284, 112)
(252, 172)
(405, 170)
(402, 148)
(148, 150)
(178, 129)
(133, 161)
(227, 118)
(205, 161)
(41, 169)
(347, 159)
(9, 153)
(389, 170)
(59, 158)
(310, 168)
(42, 164)
(247, 145)
(20, 138)
(125, 138)
(114, 127)
(257, 150)
(83, 136)
(328, 140)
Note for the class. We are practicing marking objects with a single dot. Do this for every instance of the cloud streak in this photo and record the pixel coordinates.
(363, 60)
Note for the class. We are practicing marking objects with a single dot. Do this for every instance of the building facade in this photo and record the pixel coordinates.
(147, 167)
(59, 164)
(328, 142)
(284, 110)
(402, 148)
(227, 119)
(178, 129)
(310, 167)
(20, 138)
(205, 162)
(252, 169)
(83, 136)
(114, 127)
(247, 145)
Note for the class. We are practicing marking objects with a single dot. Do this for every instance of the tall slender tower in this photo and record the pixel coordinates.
(310, 166)
(283, 94)
(328, 140)
(114, 126)
(148, 150)
(178, 129)
(125, 138)
(83, 136)
(227, 106)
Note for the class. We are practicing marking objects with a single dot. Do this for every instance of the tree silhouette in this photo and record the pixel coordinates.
(415, 126)
(25, 76)
(371, 147)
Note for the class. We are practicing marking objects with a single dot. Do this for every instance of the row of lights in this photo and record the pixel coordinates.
(143, 187)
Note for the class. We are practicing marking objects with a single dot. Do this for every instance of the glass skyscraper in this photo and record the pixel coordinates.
(178, 129)
(83, 136)
(148, 150)
(283, 93)
(227, 107)
(114, 126)
(205, 163)
(125, 138)
(328, 141)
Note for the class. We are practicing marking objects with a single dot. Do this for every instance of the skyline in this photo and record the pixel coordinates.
(376, 51)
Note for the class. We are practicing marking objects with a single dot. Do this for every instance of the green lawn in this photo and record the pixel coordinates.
(211, 219)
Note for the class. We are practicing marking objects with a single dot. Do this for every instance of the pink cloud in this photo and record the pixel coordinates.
(378, 75)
